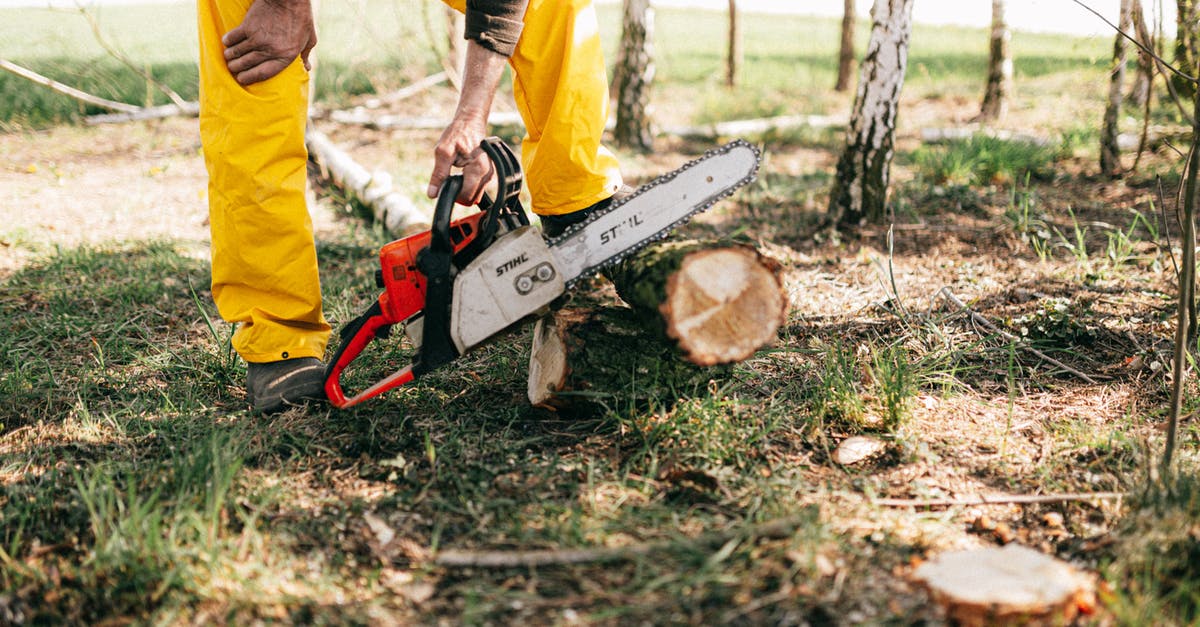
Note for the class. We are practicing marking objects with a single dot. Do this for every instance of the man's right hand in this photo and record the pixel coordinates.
(270, 37)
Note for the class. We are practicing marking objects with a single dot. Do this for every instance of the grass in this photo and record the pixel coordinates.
(136, 488)
(374, 46)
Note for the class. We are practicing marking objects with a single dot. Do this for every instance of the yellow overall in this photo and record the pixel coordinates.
(264, 262)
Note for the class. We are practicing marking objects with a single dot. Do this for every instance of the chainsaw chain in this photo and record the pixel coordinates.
(591, 271)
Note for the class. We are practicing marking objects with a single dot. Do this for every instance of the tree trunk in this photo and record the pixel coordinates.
(1139, 92)
(1000, 68)
(1187, 39)
(715, 301)
(734, 59)
(859, 191)
(846, 52)
(1110, 153)
(1013, 585)
(635, 73)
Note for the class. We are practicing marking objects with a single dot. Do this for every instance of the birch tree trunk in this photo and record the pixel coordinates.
(1139, 92)
(1110, 153)
(859, 191)
(733, 60)
(846, 51)
(1000, 68)
(635, 73)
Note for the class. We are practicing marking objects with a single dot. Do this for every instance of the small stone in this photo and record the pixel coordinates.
(855, 449)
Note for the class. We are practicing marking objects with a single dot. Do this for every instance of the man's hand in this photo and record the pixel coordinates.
(272, 35)
(459, 144)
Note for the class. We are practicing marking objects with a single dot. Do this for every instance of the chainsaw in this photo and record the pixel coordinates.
(465, 281)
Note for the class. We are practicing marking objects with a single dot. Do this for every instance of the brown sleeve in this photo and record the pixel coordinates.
(496, 24)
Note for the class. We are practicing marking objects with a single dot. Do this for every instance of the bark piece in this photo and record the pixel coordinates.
(1008, 585)
(718, 301)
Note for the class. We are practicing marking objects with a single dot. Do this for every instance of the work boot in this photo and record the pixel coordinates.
(277, 385)
(553, 226)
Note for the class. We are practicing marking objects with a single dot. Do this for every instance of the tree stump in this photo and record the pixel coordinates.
(1005, 586)
(714, 302)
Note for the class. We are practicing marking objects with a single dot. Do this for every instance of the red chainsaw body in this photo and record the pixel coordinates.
(404, 289)
(403, 284)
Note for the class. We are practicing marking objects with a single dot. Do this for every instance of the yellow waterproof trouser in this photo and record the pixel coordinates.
(561, 89)
(264, 261)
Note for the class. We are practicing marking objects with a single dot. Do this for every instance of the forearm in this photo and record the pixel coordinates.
(481, 79)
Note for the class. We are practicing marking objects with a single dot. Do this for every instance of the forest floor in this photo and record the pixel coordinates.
(134, 485)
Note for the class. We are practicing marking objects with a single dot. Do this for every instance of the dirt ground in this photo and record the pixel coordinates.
(72, 186)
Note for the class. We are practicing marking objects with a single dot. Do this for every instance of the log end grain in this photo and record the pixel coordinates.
(723, 304)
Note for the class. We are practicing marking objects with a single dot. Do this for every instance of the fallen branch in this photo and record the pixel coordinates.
(948, 295)
(360, 117)
(407, 91)
(739, 128)
(776, 529)
(1006, 499)
(112, 50)
(942, 135)
(394, 210)
(189, 109)
(67, 90)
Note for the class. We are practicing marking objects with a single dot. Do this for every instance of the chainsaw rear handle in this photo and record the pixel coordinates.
(377, 321)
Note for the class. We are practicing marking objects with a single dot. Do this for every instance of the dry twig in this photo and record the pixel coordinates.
(775, 529)
(1008, 499)
(948, 295)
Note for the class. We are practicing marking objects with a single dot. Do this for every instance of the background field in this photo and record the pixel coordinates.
(135, 487)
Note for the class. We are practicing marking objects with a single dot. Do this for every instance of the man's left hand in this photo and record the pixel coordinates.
(270, 37)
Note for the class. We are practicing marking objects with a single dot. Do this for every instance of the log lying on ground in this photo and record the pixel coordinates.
(394, 210)
(717, 302)
(757, 126)
(187, 109)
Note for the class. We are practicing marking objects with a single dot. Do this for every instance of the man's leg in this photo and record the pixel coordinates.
(561, 88)
(263, 255)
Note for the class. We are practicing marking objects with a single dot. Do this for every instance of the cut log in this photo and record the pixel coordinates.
(718, 301)
(395, 211)
(1009, 585)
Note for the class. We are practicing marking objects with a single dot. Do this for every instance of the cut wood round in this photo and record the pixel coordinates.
(714, 301)
(1009, 585)
(719, 301)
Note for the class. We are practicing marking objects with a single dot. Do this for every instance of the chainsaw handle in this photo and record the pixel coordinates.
(355, 338)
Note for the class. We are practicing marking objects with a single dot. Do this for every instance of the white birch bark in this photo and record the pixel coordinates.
(859, 191)
(1110, 153)
(1000, 67)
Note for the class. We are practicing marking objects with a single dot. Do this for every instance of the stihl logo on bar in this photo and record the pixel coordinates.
(511, 264)
(611, 234)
